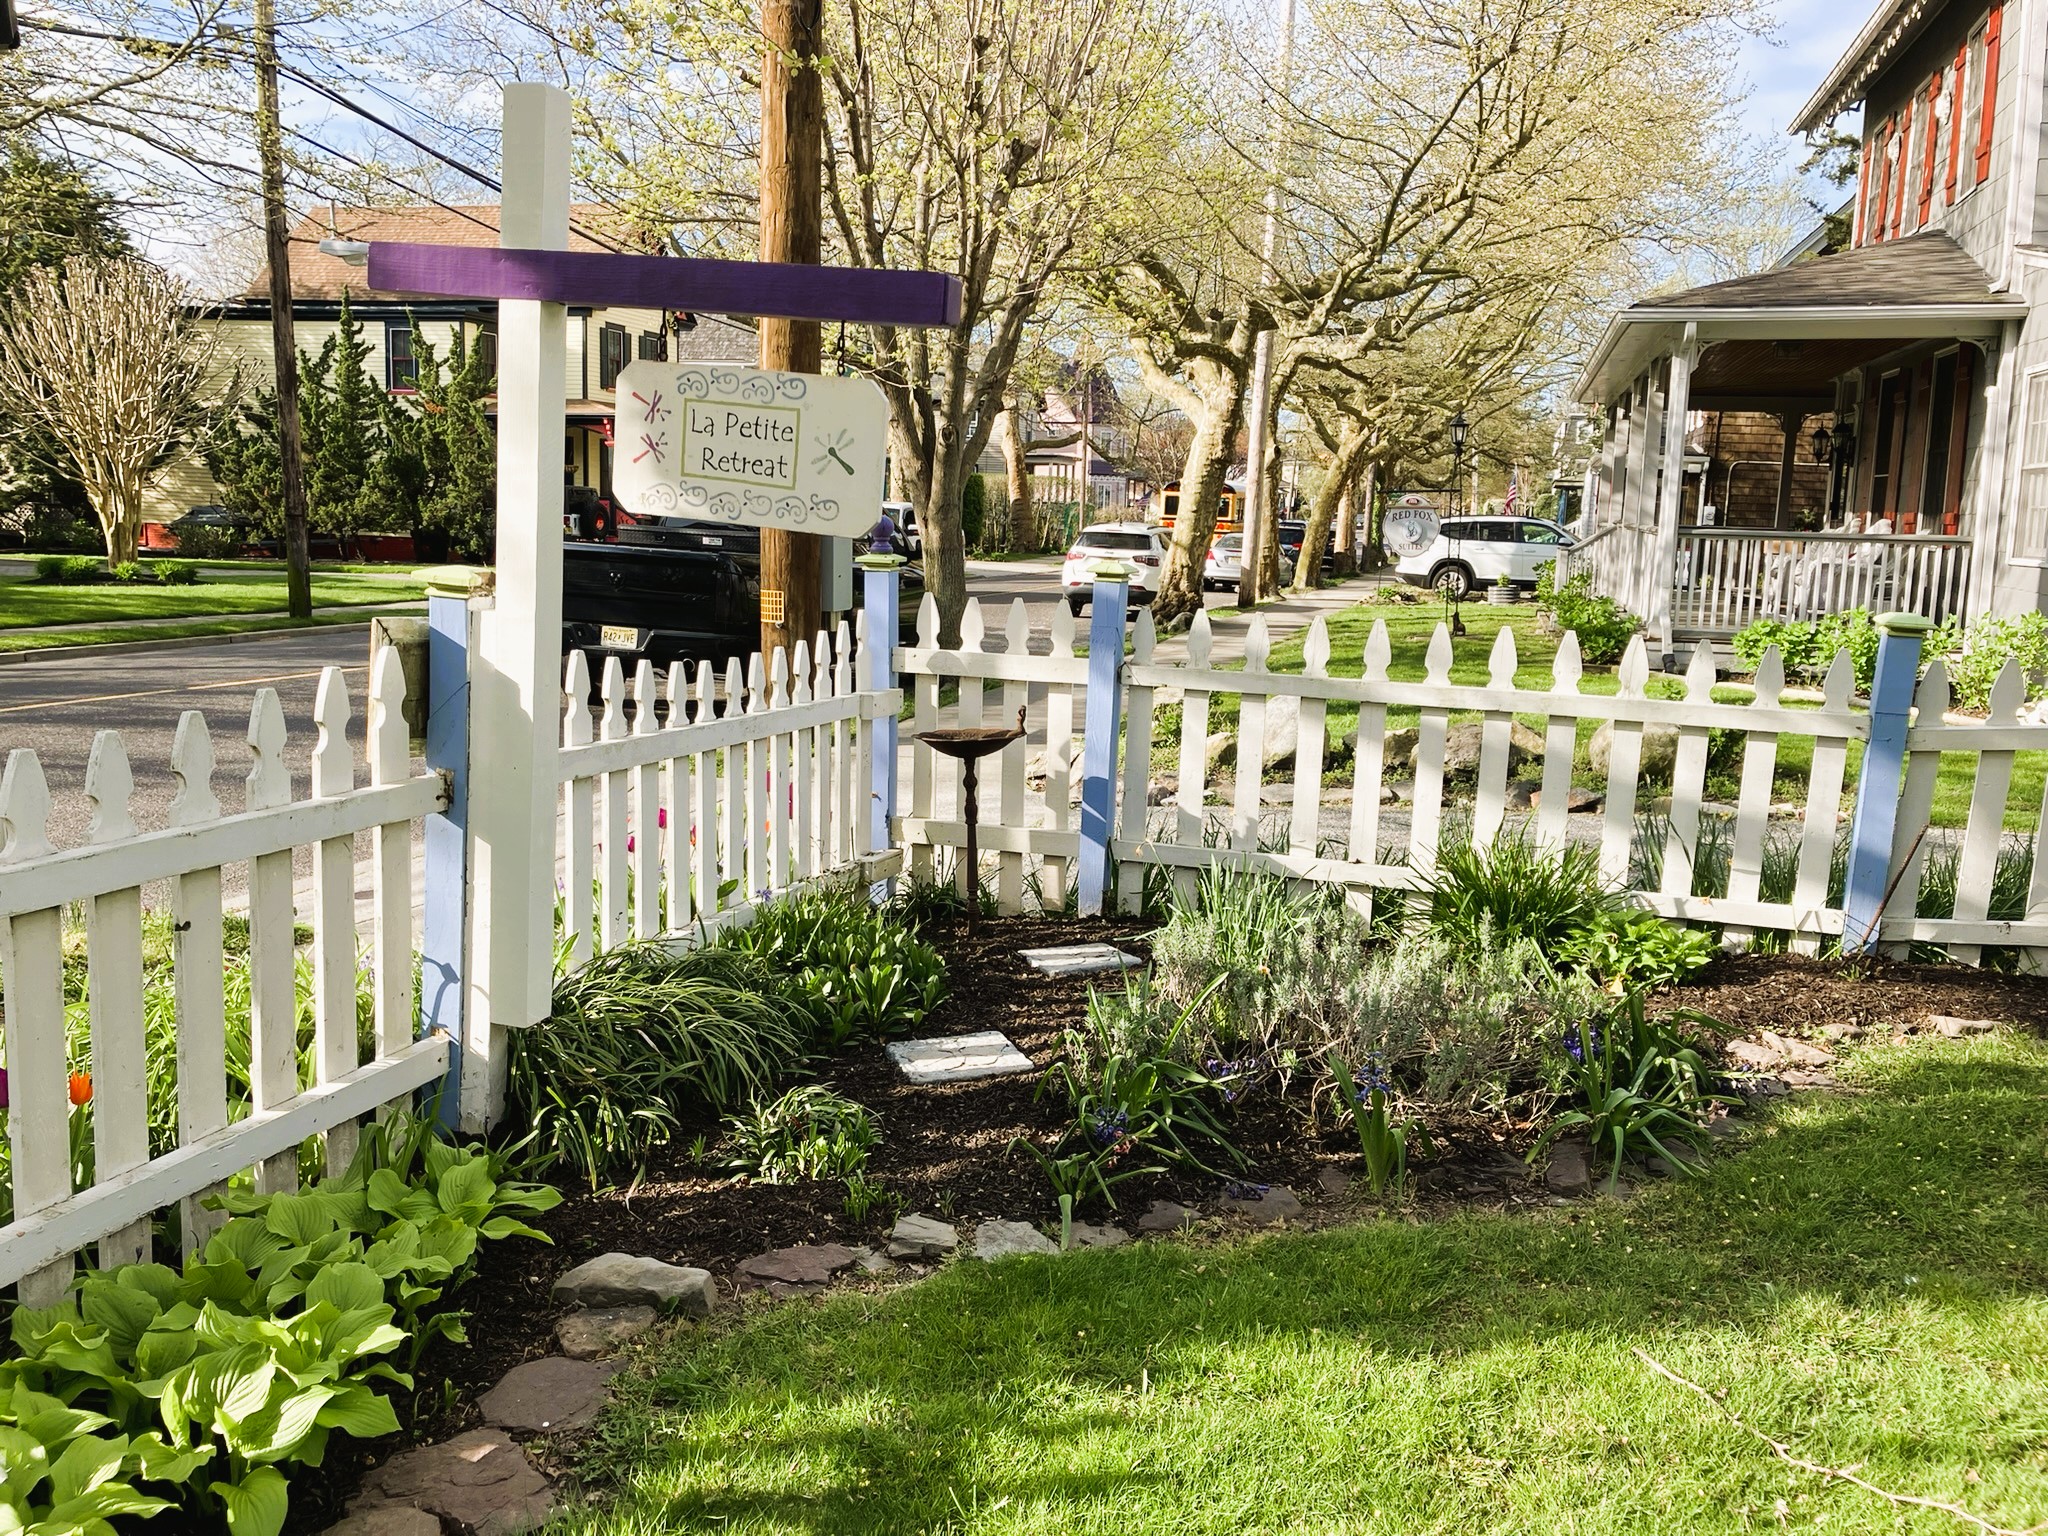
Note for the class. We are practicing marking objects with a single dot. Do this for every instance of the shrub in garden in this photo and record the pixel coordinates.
(169, 573)
(1638, 1082)
(1638, 951)
(1807, 647)
(1974, 657)
(808, 1133)
(129, 573)
(1517, 888)
(1603, 626)
(859, 971)
(637, 1036)
(68, 570)
(278, 1334)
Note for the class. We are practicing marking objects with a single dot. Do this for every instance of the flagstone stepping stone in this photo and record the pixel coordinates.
(958, 1058)
(1569, 1167)
(587, 1335)
(1954, 1029)
(793, 1271)
(872, 1262)
(627, 1280)
(1079, 959)
(549, 1395)
(481, 1482)
(920, 1237)
(1087, 1234)
(1167, 1216)
(387, 1520)
(1005, 1239)
(1333, 1181)
(1262, 1203)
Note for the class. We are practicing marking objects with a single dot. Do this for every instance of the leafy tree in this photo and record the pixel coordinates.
(443, 462)
(344, 427)
(240, 452)
(973, 510)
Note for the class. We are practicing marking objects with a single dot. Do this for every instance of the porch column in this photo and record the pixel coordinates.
(1994, 480)
(1794, 422)
(1613, 455)
(1671, 497)
(1646, 456)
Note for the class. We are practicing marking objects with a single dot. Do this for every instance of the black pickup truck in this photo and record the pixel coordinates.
(689, 592)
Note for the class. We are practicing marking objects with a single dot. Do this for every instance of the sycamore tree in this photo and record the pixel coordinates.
(101, 358)
(1427, 162)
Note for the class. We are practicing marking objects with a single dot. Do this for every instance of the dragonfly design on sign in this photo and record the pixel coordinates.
(832, 451)
(655, 411)
(656, 448)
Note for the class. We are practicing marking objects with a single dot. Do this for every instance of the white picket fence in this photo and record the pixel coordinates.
(1353, 838)
(683, 818)
(105, 878)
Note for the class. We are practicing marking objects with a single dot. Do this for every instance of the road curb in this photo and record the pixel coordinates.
(170, 643)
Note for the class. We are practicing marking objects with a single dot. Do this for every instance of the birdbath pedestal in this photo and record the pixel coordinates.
(969, 745)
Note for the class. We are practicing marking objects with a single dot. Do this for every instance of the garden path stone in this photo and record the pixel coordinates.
(1167, 1216)
(480, 1481)
(587, 1335)
(1955, 1029)
(920, 1237)
(1079, 959)
(549, 1395)
(1005, 1239)
(1568, 1168)
(1332, 1181)
(387, 1520)
(958, 1058)
(872, 1262)
(1265, 1207)
(781, 1271)
(627, 1280)
(1088, 1234)
(1770, 1051)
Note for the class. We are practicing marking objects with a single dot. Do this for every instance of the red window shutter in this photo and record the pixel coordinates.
(1927, 160)
(1861, 220)
(1882, 180)
(1985, 113)
(1955, 116)
(1905, 165)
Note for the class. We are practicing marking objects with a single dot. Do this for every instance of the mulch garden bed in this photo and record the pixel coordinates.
(946, 1151)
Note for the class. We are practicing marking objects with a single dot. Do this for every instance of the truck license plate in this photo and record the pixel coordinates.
(619, 637)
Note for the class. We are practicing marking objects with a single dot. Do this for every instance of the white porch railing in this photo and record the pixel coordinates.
(105, 877)
(686, 815)
(1727, 578)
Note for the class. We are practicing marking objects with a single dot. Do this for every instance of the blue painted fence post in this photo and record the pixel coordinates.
(1102, 729)
(1873, 826)
(445, 850)
(881, 595)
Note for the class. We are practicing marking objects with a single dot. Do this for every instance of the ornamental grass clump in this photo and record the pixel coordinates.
(808, 1133)
(638, 1037)
(1517, 888)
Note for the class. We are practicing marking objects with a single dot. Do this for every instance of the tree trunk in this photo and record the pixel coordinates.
(284, 345)
(792, 230)
(1201, 489)
(1269, 549)
(1324, 510)
(945, 543)
(1017, 467)
(122, 524)
(1344, 537)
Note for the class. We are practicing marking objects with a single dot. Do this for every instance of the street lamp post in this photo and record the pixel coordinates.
(1459, 428)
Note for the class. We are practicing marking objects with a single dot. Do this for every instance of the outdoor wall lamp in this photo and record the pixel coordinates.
(355, 252)
(1460, 427)
(1823, 445)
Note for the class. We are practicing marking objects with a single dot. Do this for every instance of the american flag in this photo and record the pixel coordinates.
(1514, 490)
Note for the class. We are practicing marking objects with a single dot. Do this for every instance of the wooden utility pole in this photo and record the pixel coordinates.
(792, 229)
(284, 345)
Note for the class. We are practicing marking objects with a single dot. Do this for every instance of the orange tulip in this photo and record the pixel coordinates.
(81, 1088)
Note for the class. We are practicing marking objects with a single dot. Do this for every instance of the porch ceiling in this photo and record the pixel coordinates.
(1855, 305)
(1790, 371)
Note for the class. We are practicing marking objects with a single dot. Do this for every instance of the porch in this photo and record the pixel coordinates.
(1801, 442)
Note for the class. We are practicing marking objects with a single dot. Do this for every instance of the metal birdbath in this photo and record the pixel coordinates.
(969, 744)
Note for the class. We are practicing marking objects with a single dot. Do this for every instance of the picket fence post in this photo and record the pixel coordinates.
(881, 591)
(1099, 736)
(444, 848)
(1875, 820)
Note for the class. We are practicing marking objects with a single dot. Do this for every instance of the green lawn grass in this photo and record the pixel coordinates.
(117, 634)
(1409, 630)
(1863, 1279)
(29, 604)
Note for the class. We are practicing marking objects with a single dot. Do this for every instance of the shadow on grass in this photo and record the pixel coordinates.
(1863, 1276)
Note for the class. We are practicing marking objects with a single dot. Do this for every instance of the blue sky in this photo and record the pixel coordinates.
(1784, 69)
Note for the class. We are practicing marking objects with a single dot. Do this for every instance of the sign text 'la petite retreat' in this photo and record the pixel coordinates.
(742, 443)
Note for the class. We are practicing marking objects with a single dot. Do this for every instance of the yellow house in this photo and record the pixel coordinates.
(601, 341)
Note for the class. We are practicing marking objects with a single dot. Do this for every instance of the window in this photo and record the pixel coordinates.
(1541, 533)
(1891, 434)
(1122, 542)
(653, 347)
(2030, 527)
(1941, 415)
(487, 349)
(612, 355)
(401, 369)
(1973, 111)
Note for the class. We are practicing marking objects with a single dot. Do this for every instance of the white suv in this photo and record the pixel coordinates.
(1138, 545)
(1471, 552)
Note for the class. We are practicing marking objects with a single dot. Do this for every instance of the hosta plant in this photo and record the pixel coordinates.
(68, 1471)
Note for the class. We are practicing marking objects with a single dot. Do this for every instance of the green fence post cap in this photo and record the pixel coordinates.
(1110, 570)
(453, 580)
(872, 562)
(1904, 623)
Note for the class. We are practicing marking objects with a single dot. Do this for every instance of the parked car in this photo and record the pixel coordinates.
(1138, 545)
(1471, 552)
(1224, 564)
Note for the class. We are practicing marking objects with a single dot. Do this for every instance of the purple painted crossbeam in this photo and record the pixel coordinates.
(597, 278)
